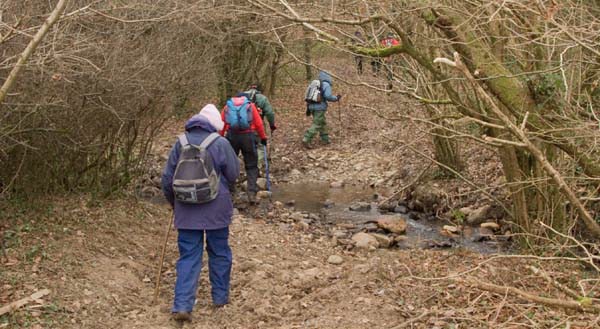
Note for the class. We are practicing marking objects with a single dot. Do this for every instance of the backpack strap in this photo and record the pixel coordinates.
(183, 140)
(209, 140)
(252, 93)
(321, 90)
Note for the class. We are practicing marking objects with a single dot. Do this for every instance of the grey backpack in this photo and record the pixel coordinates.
(313, 92)
(195, 180)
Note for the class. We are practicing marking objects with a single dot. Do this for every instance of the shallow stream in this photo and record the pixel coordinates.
(333, 205)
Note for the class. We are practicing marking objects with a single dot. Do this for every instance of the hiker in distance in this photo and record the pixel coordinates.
(358, 59)
(389, 41)
(242, 125)
(318, 94)
(254, 93)
(196, 180)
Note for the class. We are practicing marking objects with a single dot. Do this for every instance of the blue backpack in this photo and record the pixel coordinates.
(239, 113)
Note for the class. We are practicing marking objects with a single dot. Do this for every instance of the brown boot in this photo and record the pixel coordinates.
(182, 317)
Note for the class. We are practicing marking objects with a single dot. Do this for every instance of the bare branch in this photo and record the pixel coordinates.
(60, 6)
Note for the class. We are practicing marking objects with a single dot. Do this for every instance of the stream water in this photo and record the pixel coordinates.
(333, 205)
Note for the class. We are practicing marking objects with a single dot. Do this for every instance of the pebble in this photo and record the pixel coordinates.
(335, 260)
(392, 224)
(360, 206)
(365, 241)
(339, 234)
(384, 240)
(337, 184)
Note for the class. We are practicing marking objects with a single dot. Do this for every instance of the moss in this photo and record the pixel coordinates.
(377, 52)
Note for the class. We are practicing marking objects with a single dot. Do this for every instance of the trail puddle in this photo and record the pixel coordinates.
(313, 196)
(334, 206)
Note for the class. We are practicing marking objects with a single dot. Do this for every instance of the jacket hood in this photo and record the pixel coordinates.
(198, 121)
(324, 76)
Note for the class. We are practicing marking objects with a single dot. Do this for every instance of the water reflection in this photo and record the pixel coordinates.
(311, 197)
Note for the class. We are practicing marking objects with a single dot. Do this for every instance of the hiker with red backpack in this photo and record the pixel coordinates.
(242, 124)
(254, 93)
(389, 41)
(195, 181)
(317, 95)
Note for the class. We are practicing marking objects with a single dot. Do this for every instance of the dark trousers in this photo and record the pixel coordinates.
(191, 243)
(247, 145)
(359, 64)
(376, 65)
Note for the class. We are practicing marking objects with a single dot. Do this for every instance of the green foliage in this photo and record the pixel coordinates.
(459, 216)
(546, 89)
(474, 128)
(33, 252)
(440, 174)
(584, 301)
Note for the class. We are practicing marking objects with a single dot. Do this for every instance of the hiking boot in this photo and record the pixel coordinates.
(252, 198)
(182, 317)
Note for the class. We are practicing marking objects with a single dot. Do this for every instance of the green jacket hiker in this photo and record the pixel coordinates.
(266, 111)
(264, 106)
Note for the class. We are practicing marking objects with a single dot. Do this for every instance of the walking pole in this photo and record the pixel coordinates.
(162, 257)
(267, 168)
(340, 117)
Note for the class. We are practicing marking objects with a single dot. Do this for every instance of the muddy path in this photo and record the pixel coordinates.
(293, 265)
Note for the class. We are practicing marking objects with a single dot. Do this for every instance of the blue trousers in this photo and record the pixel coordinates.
(191, 243)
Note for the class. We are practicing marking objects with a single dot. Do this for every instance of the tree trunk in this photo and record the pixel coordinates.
(307, 57)
(516, 187)
(446, 152)
(273, 71)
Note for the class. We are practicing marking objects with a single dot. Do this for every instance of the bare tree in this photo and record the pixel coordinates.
(537, 62)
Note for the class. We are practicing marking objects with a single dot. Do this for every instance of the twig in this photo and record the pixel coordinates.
(552, 302)
(153, 19)
(4, 256)
(414, 181)
(22, 302)
(590, 257)
(162, 257)
(409, 321)
(14, 178)
(555, 283)
(463, 178)
(31, 48)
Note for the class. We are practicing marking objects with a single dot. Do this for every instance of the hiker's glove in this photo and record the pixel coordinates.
(273, 128)
(263, 142)
(339, 97)
(308, 112)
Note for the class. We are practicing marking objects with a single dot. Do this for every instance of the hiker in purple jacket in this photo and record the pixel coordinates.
(194, 220)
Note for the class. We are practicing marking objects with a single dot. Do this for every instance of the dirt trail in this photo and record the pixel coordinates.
(99, 258)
